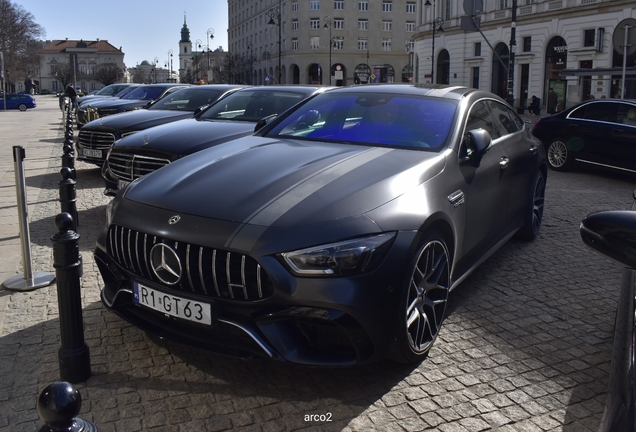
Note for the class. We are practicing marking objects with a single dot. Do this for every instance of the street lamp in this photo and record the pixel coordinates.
(170, 57)
(437, 24)
(207, 70)
(156, 63)
(275, 14)
(249, 47)
(328, 24)
(410, 51)
(199, 44)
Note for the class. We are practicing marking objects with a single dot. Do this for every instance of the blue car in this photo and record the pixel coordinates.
(17, 101)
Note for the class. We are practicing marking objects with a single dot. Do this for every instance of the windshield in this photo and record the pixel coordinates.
(187, 99)
(125, 91)
(145, 93)
(252, 105)
(371, 118)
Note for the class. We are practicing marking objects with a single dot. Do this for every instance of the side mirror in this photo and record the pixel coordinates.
(480, 141)
(201, 108)
(612, 234)
(265, 120)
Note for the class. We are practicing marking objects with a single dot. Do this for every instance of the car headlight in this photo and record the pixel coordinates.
(342, 258)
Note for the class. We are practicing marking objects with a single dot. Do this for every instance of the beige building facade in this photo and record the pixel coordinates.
(341, 42)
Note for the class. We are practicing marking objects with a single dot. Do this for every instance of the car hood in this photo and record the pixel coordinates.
(137, 120)
(120, 103)
(285, 183)
(187, 136)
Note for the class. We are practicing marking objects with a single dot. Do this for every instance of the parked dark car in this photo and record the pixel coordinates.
(108, 91)
(19, 101)
(612, 234)
(85, 112)
(141, 96)
(334, 235)
(598, 132)
(231, 118)
(96, 137)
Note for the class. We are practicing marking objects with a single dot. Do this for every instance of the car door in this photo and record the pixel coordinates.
(622, 153)
(483, 190)
(591, 137)
(520, 158)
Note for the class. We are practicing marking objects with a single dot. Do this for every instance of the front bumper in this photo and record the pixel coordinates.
(309, 321)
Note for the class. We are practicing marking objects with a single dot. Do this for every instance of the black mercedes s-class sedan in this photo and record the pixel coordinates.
(333, 235)
(96, 137)
(233, 117)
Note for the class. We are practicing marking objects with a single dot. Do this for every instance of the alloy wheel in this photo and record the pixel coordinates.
(558, 154)
(427, 296)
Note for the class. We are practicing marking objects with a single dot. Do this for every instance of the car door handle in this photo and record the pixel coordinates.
(533, 148)
(503, 163)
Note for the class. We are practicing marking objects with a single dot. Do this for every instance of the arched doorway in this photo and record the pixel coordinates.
(556, 60)
(383, 74)
(407, 74)
(295, 71)
(499, 82)
(361, 74)
(339, 74)
(442, 74)
(313, 74)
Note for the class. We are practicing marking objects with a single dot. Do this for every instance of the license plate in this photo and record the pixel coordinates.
(172, 305)
(92, 153)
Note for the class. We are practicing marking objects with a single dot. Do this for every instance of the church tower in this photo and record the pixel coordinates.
(185, 52)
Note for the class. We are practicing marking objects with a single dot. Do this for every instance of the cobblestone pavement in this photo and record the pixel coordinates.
(525, 346)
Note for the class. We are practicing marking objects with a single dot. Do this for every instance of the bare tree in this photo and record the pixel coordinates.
(233, 69)
(19, 35)
(107, 73)
(64, 74)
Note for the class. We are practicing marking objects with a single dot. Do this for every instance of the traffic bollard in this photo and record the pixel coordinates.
(74, 357)
(68, 195)
(58, 407)
(68, 159)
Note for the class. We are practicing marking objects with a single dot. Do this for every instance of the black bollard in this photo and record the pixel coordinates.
(68, 195)
(74, 357)
(68, 158)
(58, 407)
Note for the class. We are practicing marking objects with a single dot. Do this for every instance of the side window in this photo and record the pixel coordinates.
(478, 118)
(602, 111)
(503, 118)
(627, 114)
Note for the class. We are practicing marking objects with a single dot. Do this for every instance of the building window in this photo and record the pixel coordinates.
(387, 6)
(410, 26)
(338, 5)
(410, 7)
(314, 4)
(363, 24)
(475, 71)
(338, 23)
(588, 38)
(446, 9)
(386, 44)
(294, 44)
(338, 43)
(503, 4)
(295, 6)
(314, 23)
(527, 44)
(387, 25)
(362, 44)
(363, 5)
(294, 25)
(477, 51)
(410, 45)
(314, 42)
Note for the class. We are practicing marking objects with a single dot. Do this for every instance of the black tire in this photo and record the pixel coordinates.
(534, 214)
(22, 107)
(559, 155)
(423, 302)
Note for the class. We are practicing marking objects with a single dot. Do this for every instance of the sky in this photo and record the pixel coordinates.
(144, 29)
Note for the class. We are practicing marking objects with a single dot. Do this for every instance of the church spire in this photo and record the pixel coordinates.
(185, 32)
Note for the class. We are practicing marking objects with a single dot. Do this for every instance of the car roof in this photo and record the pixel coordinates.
(431, 90)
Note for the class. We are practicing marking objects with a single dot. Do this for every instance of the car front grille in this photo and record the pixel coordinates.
(95, 140)
(128, 167)
(206, 271)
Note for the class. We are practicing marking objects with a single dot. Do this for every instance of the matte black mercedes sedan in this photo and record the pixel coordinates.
(96, 137)
(599, 132)
(334, 235)
(231, 118)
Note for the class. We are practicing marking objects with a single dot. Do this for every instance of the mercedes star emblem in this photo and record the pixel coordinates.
(174, 219)
(166, 264)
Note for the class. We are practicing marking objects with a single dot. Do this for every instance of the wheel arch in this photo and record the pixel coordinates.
(442, 224)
